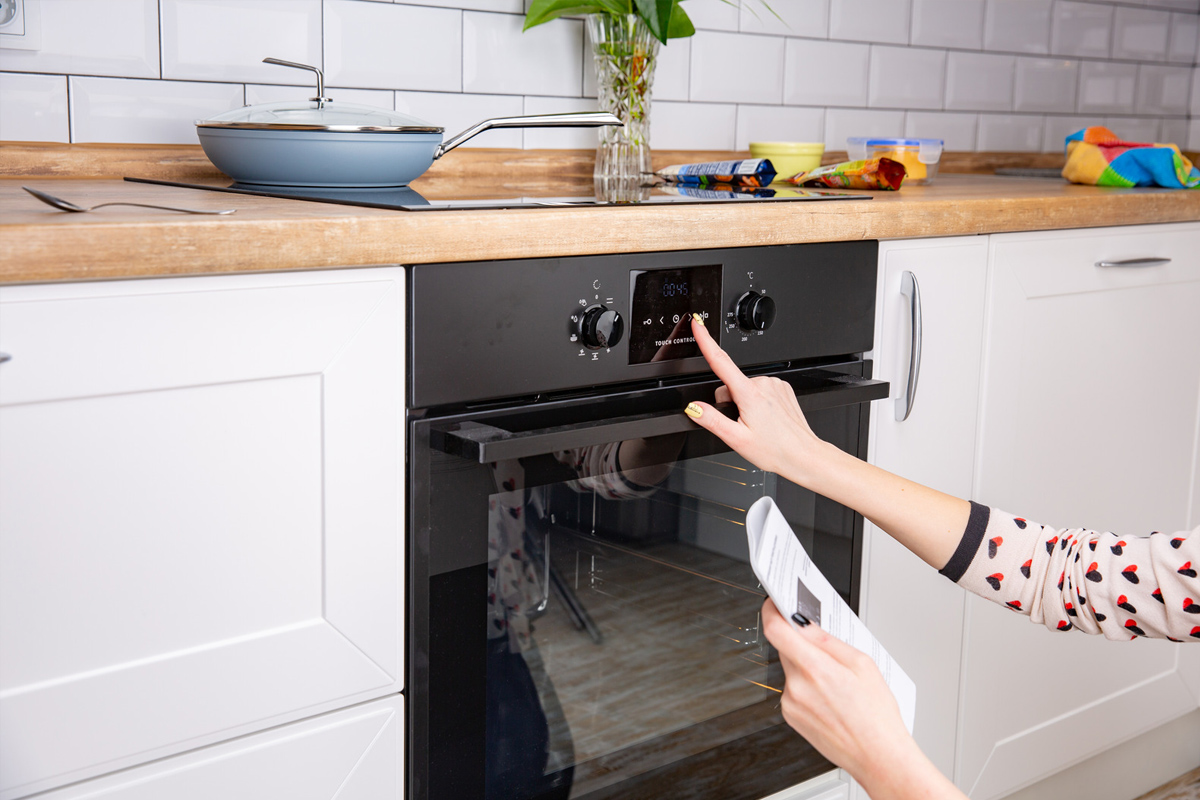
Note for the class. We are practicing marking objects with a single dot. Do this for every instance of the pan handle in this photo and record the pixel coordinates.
(581, 119)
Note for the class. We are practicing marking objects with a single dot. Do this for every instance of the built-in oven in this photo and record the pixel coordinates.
(583, 620)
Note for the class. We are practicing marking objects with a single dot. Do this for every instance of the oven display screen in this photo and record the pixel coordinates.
(663, 300)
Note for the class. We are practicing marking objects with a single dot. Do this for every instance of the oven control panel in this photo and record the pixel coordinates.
(536, 326)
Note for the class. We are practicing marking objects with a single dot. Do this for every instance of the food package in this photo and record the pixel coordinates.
(871, 173)
(746, 172)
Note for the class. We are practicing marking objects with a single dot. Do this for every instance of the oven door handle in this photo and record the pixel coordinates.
(484, 443)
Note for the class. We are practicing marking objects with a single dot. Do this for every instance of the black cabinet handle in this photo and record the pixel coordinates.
(486, 443)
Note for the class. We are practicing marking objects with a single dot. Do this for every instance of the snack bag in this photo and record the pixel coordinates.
(872, 173)
(747, 172)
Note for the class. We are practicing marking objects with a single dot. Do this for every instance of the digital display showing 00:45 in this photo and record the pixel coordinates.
(663, 300)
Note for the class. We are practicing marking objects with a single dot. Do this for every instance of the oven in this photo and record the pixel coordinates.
(583, 620)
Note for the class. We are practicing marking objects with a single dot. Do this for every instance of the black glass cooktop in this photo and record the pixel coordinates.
(407, 199)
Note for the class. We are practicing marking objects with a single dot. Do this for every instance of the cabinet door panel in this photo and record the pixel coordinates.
(200, 513)
(1088, 418)
(354, 754)
(915, 612)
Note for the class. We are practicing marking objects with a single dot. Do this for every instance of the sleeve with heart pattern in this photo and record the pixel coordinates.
(1075, 578)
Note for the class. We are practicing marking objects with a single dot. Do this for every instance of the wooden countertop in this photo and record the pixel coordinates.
(41, 244)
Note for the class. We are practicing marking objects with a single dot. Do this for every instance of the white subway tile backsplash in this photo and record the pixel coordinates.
(979, 82)
(506, 6)
(269, 93)
(1193, 137)
(561, 138)
(1134, 129)
(456, 112)
(1045, 84)
(718, 78)
(1174, 131)
(903, 77)
(779, 124)
(957, 131)
(825, 73)
(1185, 31)
(1140, 33)
(226, 40)
(842, 123)
(948, 23)
(384, 46)
(714, 15)
(117, 37)
(1020, 26)
(1058, 128)
(671, 76)
(693, 126)
(1010, 133)
(149, 112)
(498, 58)
(1194, 102)
(1106, 88)
(789, 18)
(33, 108)
(1081, 29)
(1163, 90)
(870, 20)
(808, 69)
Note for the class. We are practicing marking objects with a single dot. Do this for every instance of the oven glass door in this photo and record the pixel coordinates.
(586, 622)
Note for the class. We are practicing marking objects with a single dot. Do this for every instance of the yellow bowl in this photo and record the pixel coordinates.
(788, 158)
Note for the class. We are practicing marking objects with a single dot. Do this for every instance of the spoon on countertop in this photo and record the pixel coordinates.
(64, 205)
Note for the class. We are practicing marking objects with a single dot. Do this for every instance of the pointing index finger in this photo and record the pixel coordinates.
(719, 360)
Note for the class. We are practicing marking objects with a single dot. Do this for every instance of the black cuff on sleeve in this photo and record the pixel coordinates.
(968, 546)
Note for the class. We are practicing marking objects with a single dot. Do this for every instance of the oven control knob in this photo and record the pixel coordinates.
(601, 327)
(755, 312)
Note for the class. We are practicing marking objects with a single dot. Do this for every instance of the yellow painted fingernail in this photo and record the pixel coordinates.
(698, 318)
(693, 410)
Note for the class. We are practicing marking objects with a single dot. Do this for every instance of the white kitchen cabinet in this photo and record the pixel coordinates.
(915, 612)
(352, 754)
(201, 497)
(1088, 417)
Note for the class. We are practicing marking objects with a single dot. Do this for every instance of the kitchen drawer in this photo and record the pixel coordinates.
(1065, 262)
(201, 494)
(353, 754)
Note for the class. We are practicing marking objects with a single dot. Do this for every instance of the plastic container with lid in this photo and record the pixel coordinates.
(788, 158)
(919, 156)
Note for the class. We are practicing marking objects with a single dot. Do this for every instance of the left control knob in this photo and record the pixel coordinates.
(601, 327)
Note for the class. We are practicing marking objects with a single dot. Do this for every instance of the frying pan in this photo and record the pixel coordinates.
(328, 144)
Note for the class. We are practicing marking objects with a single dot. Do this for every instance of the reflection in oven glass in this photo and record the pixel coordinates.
(622, 615)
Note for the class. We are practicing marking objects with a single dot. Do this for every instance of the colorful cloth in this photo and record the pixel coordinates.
(1097, 157)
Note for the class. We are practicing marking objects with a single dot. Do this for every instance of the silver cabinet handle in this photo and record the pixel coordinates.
(5, 357)
(1135, 262)
(910, 289)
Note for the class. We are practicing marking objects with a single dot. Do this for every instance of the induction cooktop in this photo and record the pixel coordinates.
(407, 199)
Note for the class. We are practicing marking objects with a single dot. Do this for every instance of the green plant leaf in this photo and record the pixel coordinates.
(681, 24)
(657, 15)
(545, 10)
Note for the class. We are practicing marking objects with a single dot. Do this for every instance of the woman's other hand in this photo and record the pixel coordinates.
(835, 697)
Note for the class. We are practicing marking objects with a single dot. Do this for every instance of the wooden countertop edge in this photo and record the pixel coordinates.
(71, 251)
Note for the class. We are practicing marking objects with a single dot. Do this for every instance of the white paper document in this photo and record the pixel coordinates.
(795, 584)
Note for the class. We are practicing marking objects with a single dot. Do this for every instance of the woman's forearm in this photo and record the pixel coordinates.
(926, 521)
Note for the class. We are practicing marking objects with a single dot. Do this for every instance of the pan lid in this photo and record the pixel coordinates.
(318, 113)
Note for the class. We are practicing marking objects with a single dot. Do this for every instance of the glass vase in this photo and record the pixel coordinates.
(625, 54)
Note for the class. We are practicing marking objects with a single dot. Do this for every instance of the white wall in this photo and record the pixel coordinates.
(1014, 75)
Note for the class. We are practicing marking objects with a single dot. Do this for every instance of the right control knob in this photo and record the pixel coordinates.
(755, 312)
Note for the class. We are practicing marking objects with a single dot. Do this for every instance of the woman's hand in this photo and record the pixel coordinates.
(835, 697)
(771, 431)
(773, 434)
